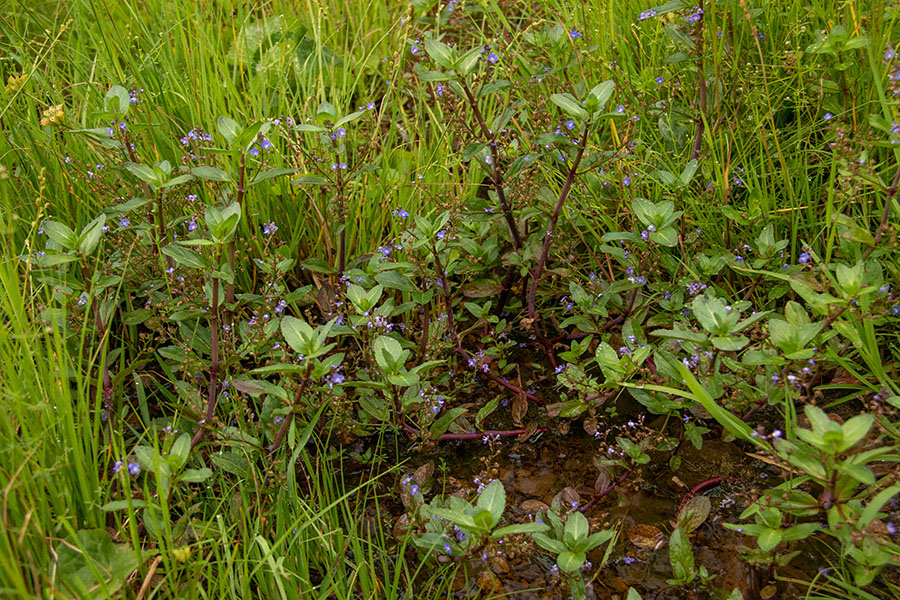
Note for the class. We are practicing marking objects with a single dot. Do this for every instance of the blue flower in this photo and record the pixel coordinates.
(660, 80)
(889, 54)
(269, 228)
(414, 49)
(570, 124)
(575, 35)
(492, 57)
(828, 116)
(804, 258)
(124, 222)
(265, 143)
(254, 151)
(134, 468)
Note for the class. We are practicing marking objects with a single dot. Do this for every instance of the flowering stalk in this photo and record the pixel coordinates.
(212, 394)
(701, 87)
(241, 191)
(286, 423)
(104, 346)
(548, 237)
(496, 176)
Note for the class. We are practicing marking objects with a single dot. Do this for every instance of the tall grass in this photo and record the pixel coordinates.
(295, 530)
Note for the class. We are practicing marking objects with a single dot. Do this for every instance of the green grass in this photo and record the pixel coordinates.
(292, 528)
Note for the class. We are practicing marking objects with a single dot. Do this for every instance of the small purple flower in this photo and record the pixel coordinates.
(265, 143)
(804, 258)
(123, 221)
(828, 116)
(570, 124)
(117, 466)
(413, 489)
(134, 468)
(660, 80)
(493, 58)
(254, 151)
(575, 35)
(269, 228)
(414, 49)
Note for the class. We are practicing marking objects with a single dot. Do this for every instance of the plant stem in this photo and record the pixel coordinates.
(104, 345)
(212, 393)
(286, 423)
(496, 176)
(241, 191)
(701, 89)
(475, 435)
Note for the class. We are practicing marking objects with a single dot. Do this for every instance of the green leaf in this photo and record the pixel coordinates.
(493, 499)
(180, 451)
(768, 539)
(457, 517)
(185, 257)
(229, 129)
(211, 174)
(856, 429)
(299, 335)
(318, 265)
(348, 119)
(633, 595)
(92, 553)
(271, 174)
(326, 109)
(577, 528)
(123, 505)
(549, 544)
(519, 528)
(467, 63)
(117, 100)
(195, 475)
(694, 513)
(440, 53)
(570, 561)
(90, 235)
(680, 550)
(395, 281)
(231, 462)
(603, 91)
(569, 105)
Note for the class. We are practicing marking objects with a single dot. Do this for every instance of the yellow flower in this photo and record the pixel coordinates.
(53, 115)
(13, 84)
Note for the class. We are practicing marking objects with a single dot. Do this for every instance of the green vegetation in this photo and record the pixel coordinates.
(262, 264)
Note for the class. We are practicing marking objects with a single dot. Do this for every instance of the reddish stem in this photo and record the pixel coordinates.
(703, 485)
(475, 435)
(605, 492)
